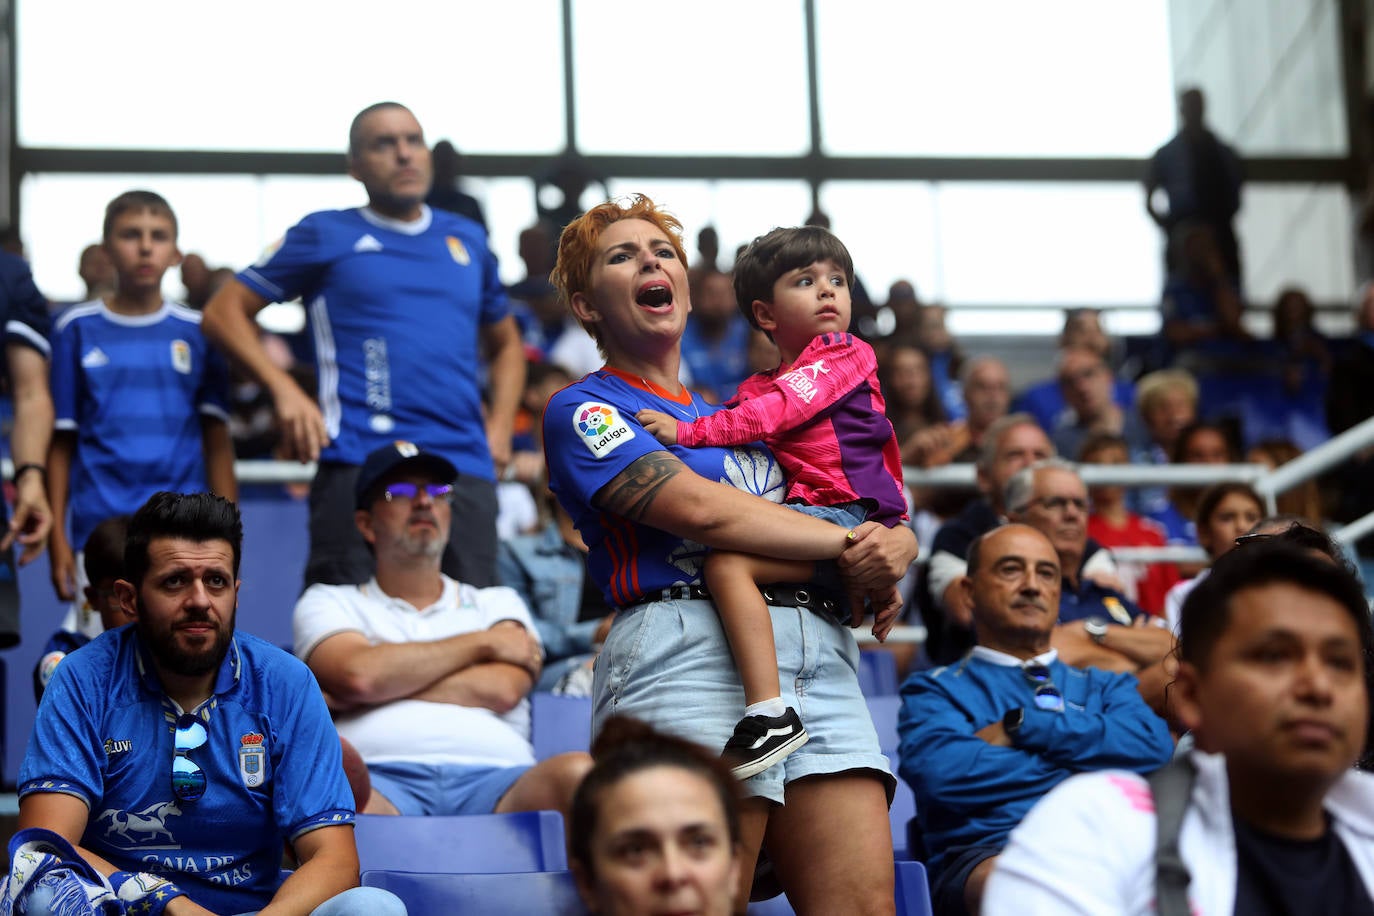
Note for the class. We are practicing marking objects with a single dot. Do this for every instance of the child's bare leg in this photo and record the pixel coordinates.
(733, 579)
(769, 730)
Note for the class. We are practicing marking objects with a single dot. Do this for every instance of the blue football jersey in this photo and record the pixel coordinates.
(274, 770)
(590, 436)
(133, 388)
(395, 311)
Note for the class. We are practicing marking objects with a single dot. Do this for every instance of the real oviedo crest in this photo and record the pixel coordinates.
(252, 760)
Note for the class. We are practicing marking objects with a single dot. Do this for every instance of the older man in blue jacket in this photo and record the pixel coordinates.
(983, 739)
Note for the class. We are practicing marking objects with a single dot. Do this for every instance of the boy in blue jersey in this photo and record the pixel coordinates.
(141, 398)
(411, 327)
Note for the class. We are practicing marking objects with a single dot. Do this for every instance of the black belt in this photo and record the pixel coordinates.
(803, 596)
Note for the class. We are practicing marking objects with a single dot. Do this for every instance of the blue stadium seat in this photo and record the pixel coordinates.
(4, 704)
(774, 906)
(451, 894)
(559, 724)
(913, 890)
(527, 841)
(877, 672)
(899, 815)
(883, 711)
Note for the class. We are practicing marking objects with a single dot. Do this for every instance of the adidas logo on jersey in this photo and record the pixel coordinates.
(94, 359)
(367, 243)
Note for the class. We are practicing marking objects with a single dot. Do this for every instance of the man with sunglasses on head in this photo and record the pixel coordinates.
(177, 756)
(983, 739)
(428, 676)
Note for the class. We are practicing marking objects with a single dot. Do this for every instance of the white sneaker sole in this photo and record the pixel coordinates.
(754, 767)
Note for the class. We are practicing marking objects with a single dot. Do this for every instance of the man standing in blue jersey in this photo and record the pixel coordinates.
(403, 303)
(24, 314)
(177, 756)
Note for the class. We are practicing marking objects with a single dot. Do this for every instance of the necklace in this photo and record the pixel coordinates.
(672, 403)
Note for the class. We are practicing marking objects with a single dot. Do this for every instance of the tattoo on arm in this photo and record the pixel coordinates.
(632, 491)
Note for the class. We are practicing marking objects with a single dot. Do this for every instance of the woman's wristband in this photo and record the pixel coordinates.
(22, 469)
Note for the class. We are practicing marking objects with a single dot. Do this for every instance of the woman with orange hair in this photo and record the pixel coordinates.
(649, 513)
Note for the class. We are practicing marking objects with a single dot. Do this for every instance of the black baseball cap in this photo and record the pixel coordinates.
(395, 456)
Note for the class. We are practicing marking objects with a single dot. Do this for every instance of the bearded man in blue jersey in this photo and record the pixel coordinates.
(403, 303)
(177, 756)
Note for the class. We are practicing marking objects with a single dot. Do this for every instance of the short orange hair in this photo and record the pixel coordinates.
(577, 245)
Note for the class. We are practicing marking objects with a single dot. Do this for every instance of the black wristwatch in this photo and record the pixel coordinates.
(1012, 720)
(1097, 628)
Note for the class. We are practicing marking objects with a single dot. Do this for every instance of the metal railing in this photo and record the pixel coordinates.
(1269, 484)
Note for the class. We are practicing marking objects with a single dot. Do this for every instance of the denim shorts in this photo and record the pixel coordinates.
(668, 664)
(450, 788)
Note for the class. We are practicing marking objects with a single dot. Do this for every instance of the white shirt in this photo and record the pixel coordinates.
(1174, 598)
(420, 731)
(1089, 846)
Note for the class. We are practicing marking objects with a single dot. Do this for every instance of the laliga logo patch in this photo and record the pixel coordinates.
(47, 665)
(251, 757)
(460, 254)
(601, 428)
(181, 357)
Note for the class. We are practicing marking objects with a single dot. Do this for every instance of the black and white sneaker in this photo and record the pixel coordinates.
(761, 741)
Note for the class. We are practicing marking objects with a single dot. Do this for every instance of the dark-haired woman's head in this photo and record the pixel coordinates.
(654, 825)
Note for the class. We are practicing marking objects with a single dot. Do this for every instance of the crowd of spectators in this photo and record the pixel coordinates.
(1212, 388)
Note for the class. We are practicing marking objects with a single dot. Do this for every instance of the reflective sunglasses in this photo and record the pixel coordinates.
(188, 779)
(402, 490)
(1047, 695)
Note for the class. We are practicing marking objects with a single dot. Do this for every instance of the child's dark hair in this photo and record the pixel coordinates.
(1227, 432)
(770, 256)
(537, 371)
(131, 201)
(197, 517)
(1211, 498)
(1100, 441)
(103, 554)
(626, 746)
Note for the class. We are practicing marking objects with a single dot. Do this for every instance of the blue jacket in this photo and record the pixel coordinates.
(970, 793)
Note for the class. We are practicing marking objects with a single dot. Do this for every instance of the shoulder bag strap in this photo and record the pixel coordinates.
(1172, 786)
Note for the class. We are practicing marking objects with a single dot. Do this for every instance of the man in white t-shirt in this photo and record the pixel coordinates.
(428, 676)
